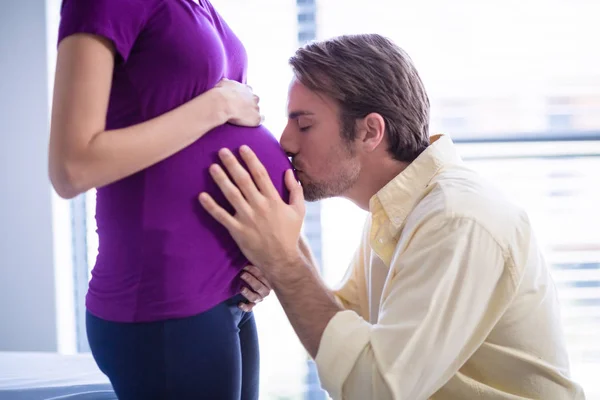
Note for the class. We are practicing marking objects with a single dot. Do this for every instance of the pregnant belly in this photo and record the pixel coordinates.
(171, 187)
(157, 212)
(155, 236)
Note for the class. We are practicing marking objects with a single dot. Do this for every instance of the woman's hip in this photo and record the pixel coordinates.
(178, 358)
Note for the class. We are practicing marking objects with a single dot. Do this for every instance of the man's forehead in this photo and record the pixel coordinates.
(302, 101)
(297, 91)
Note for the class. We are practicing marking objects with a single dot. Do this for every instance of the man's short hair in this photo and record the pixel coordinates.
(369, 73)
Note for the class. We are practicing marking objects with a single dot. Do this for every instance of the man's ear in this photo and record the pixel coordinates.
(370, 131)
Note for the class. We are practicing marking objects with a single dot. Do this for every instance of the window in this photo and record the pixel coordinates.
(560, 113)
(306, 36)
(451, 115)
(560, 122)
(306, 17)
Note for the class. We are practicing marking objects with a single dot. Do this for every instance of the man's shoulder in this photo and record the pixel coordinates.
(460, 193)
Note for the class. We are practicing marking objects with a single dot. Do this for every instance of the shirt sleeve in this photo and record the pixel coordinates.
(119, 21)
(451, 286)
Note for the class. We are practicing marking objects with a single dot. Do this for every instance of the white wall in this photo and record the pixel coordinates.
(27, 282)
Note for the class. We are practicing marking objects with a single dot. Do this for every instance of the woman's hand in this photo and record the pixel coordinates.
(256, 289)
(242, 103)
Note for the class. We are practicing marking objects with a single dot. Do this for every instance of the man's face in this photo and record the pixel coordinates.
(326, 164)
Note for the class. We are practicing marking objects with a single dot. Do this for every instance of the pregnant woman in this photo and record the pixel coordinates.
(146, 93)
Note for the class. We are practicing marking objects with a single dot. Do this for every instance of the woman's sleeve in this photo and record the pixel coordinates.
(119, 21)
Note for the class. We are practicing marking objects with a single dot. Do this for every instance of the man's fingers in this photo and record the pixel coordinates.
(259, 173)
(296, 192)
(230, 191)
(218, 212)
(240, 176)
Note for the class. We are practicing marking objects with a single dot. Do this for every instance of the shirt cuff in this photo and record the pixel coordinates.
(343, 340)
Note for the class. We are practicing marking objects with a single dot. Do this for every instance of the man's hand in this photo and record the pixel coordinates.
(256, 289)
(266, 229)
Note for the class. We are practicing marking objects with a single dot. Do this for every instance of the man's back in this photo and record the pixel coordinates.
(526, 346)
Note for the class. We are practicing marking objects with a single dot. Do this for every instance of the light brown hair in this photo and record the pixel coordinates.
(365, 74)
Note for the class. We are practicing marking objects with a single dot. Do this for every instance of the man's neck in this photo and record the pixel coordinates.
(372, 179)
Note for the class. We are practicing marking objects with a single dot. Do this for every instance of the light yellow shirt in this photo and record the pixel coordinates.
(448, 296)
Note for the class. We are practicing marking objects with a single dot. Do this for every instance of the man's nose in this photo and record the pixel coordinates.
(288, 143)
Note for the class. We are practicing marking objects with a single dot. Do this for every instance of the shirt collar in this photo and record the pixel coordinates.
(399, 196)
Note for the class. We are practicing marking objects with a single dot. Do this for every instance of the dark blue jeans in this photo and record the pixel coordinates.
(212, 355)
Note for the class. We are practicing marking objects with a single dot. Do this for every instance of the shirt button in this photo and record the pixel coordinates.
(397, 220)
(381, 240)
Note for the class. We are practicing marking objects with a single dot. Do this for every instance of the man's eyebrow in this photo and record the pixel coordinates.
(296, 114)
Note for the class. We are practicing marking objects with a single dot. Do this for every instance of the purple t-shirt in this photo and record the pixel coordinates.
(161, 255)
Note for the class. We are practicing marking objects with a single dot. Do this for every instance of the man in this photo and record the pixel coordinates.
(448, 296)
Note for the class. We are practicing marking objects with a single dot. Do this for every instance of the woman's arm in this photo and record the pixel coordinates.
(84, 155)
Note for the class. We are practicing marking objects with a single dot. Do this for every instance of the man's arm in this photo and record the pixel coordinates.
(319, 304)
(308, 303)
(304, 282)
(258, 287)
(451, 286)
